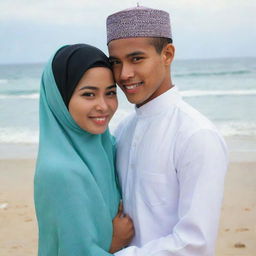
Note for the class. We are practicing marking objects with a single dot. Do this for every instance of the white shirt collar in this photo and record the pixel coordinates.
(159, 104)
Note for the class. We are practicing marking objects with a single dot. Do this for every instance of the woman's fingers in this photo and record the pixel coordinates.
(120, 209)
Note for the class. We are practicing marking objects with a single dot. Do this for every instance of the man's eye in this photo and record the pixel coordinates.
(114, 62)
(111, 93)
(136, 59)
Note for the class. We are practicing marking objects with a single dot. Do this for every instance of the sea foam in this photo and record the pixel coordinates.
(196, 93)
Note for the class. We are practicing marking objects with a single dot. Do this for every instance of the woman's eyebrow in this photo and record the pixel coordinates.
(96, 88)
(88, 87)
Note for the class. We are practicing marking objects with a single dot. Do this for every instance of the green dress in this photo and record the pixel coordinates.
(75, 189)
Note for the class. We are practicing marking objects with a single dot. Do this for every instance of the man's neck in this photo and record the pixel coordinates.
(167, 88)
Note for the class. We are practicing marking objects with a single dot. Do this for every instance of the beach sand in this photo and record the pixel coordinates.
(18, 227)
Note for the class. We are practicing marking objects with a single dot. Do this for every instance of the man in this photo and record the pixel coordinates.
(171, 160)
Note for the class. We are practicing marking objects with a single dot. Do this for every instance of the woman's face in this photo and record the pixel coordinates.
(94, 100)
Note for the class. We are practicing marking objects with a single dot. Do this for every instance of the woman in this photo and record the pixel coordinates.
(76, 196)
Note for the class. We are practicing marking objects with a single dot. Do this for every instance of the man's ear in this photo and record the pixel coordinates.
(168, 54)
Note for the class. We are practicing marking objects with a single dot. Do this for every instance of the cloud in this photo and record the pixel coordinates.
(30, 30)
(59, 12)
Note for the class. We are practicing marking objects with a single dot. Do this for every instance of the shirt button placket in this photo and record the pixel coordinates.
(132, 165)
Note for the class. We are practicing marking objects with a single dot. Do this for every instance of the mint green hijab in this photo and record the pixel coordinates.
(76, 196)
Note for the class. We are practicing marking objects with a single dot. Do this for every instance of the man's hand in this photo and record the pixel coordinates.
(123, 230)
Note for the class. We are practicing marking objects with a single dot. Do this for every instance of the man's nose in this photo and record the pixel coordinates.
(126, 72)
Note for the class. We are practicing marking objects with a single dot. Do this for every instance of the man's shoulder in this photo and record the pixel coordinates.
(190, 119)
(192, 123)
(195, 128)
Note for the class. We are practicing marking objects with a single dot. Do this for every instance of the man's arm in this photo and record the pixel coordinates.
(201, 168)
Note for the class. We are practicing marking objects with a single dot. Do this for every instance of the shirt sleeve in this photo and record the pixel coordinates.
(201, 168)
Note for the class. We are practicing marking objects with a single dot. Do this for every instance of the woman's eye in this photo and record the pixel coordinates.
(88, 94)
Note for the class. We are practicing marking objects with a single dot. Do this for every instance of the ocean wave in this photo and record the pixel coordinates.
(221, 73)
(237, 128)
(18, 135)
(199, 93)
(19, 92)
(22, 96)
(3, 81)
(26, 135)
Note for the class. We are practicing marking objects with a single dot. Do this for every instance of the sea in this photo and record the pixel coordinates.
(224, 90)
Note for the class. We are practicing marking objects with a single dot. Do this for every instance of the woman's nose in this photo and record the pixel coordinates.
(101, 105)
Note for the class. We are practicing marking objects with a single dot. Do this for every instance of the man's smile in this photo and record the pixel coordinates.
(131, 88)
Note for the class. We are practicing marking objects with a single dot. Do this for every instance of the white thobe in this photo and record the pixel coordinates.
(171, 163)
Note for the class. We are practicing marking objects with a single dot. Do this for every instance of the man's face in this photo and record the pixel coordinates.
(139, 70)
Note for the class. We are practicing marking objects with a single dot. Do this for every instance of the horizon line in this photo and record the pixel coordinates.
(178, 59)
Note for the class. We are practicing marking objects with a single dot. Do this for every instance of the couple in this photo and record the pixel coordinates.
(168, 160)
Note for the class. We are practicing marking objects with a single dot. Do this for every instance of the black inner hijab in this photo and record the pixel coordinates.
(71, 62)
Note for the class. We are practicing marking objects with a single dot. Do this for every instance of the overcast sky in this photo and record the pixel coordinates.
(31, 30)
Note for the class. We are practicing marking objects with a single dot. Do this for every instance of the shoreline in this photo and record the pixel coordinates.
(241, 149)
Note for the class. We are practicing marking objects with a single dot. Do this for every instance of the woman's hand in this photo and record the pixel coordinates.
(123, 230)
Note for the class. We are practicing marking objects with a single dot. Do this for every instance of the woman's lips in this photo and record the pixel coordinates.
(99, 120)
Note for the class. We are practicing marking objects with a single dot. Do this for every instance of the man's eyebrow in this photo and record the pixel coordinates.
(132, 54)
(112, 58)
(111, 86)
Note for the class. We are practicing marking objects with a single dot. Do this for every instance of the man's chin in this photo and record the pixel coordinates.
(133, 100)
(138, 103)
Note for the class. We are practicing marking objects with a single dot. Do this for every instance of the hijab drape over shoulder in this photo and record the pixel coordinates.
(76, 195)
